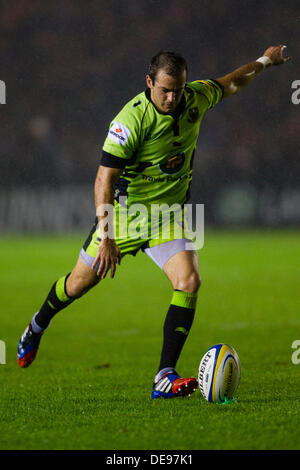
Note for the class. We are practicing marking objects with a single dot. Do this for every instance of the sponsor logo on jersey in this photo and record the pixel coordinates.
(119, 133)
(173, 164)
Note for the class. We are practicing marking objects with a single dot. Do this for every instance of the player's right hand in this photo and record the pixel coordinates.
(276, 54)
(108, 256)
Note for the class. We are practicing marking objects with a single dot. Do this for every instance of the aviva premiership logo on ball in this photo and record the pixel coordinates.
(173, 164)
(219, 373)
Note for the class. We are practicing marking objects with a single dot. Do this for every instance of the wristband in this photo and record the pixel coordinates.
(265, 60)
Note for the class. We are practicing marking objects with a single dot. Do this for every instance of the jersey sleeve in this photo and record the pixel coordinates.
(123, 134)
(211, 89)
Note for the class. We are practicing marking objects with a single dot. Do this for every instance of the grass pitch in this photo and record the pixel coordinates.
(90, 385)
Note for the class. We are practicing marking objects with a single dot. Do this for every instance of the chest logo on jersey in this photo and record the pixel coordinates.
(193, 115)
(119, 133)
(173, 164)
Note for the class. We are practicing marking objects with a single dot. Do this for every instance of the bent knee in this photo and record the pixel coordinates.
(190, 283)
(78, 286)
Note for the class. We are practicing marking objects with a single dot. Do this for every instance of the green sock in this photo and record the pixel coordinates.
(56, 300)
(177, 325)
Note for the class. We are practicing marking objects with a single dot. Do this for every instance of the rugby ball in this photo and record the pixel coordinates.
(219, 373)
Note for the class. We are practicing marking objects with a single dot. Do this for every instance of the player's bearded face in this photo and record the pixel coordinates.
(166, 91)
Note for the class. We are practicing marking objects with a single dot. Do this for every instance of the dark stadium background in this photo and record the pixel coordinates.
(69, 66)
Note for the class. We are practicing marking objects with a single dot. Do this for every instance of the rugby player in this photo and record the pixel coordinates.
(147, 158)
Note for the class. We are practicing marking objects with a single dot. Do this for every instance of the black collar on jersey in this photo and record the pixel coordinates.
(179, 110)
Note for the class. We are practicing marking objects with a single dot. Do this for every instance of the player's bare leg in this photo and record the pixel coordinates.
(81, 280)
(182, 269)
(183, 273)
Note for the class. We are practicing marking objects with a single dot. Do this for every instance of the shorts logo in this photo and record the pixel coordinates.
(173, 164)
(118, 133)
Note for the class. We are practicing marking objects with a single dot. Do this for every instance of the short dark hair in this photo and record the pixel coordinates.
(172, 63)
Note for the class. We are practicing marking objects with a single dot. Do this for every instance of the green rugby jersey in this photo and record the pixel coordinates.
(156, 150)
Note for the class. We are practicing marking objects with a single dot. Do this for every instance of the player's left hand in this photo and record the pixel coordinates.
(276, 54)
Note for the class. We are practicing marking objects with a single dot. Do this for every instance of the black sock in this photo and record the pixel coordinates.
(56, 300)
(177, 325)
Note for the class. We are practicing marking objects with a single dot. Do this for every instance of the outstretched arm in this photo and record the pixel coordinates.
(241, 77)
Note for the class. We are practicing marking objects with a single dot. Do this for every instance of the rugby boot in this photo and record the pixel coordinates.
(28, 347)
(171, 385)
